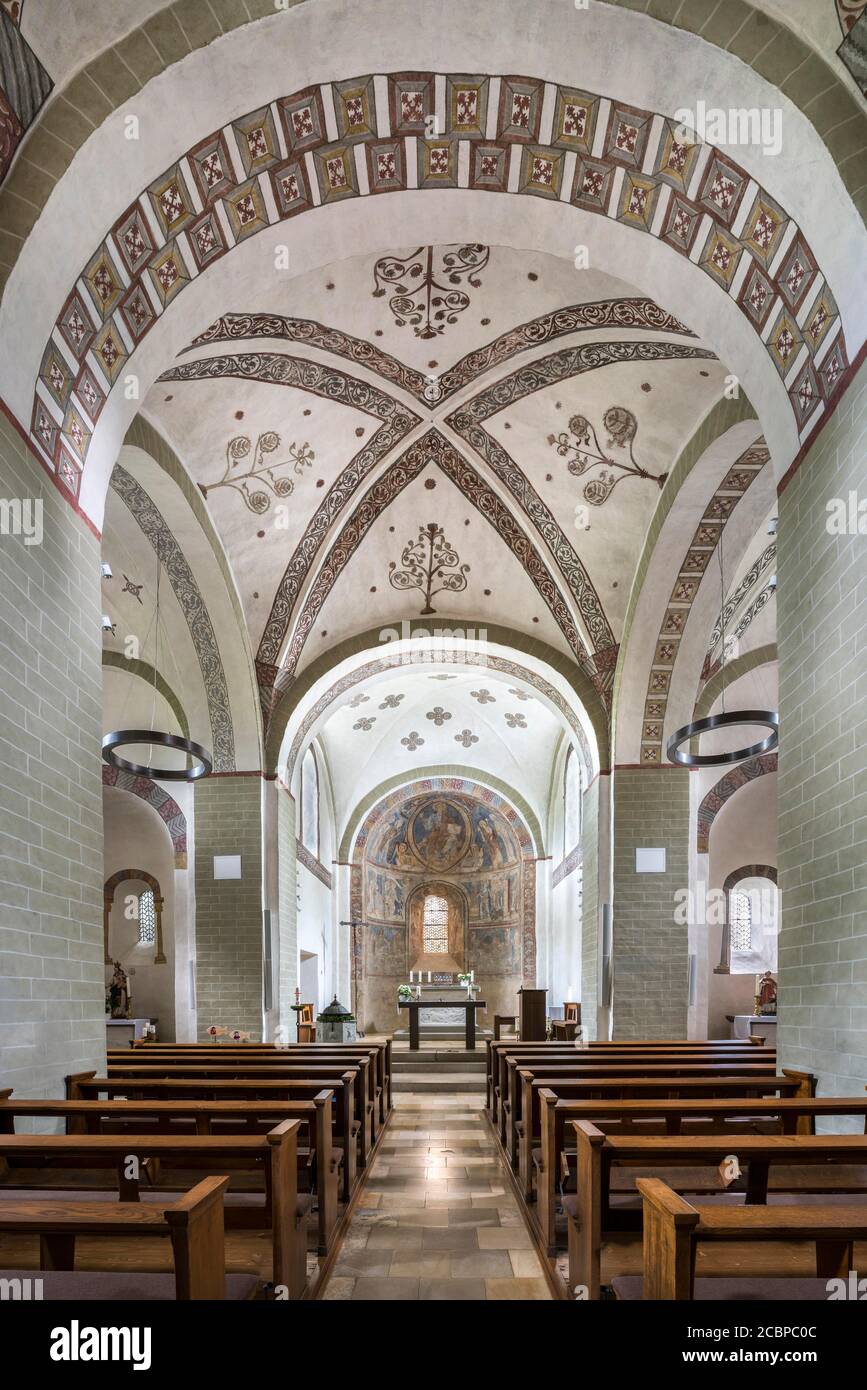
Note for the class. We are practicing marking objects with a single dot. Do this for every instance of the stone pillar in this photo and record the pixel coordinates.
(821, 626)
(52, 990)
(650, 944)
(229, 911)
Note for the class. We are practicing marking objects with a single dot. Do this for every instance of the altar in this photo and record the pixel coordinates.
(467, 1007)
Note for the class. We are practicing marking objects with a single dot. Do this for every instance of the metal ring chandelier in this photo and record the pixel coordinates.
(120, 737)
(767, 717)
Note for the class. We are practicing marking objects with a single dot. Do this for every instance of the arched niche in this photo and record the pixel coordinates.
(110, 887)
(456, 900)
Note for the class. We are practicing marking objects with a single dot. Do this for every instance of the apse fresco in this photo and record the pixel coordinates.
(438, 841)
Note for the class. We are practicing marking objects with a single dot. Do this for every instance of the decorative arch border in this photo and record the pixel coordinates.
(724, 676)
(108, 892)
(468, 786)
(389, 794)
(778, 54)
(633, 311)
(434, 448)
(738, 479)
(165, 806)
(551, 142)
(749, 871)
(496, 635)
(714, 800)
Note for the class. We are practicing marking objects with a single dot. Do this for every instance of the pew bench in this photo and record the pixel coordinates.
(279, 1208)
(673, 1229)
(193, 1223)
(326, 1073)
(345, 1132)
(607, 1167)
(319, 1161)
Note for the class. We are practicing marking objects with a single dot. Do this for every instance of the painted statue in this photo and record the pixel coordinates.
(118, 992)
(767, 994)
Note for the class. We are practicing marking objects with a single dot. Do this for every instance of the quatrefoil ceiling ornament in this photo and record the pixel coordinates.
(580, 445)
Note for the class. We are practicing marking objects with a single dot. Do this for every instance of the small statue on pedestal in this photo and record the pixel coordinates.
(766, 994)
(118, 992)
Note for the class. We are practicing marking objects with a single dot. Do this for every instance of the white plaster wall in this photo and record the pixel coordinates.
(136, 838)
(744, 832)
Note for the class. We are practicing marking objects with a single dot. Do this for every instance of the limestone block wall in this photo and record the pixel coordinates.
(590, 909)
(822, 624)
(229, 911)
(52, 1001)
(650, 947)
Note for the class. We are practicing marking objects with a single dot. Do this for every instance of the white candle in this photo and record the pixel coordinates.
(429, 978)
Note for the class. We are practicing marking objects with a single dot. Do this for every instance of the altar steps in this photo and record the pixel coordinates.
(433, 1072)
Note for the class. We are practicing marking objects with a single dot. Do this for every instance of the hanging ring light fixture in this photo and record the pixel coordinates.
(734, 718)
(768, 718)
(124, 737)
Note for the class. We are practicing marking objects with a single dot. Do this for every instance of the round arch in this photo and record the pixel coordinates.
(459, 652)
(714, 800)
(108, 891)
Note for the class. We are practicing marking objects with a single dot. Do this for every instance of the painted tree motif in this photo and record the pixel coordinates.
(580, 445)
(420, 298)
(431, 564)
(260, 471)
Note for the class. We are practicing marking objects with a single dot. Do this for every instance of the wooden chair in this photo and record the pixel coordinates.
(306, 1026)
(499, 1020)
(572, 1013)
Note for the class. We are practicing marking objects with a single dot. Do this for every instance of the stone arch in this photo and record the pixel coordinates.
(62, 437)
(771, 48)
(749, 871)
(165, 806)
(586, 695)
(108, 891)
(714, 800)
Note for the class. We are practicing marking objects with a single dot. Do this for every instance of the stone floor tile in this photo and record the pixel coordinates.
(395, 1238)
(428, 1264)
(504, 1238)
(338, 1289)
(481, 1264)
(452, 1238)
(369, 1263)
(385, 1290)
(452, 1290)
(517, 1290)
(526, 1264)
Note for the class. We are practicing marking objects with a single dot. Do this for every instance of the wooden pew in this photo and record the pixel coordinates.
(612, 1052)
(201, 1117)
(273, 1154)
(673, 1228)
(326, 1072)
(194, 1222)
(610, 1164)
(685, 1064)
(785, 1114)
(264, 1053)
(87, 1085)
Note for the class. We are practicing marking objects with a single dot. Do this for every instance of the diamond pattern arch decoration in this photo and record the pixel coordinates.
(551, 141)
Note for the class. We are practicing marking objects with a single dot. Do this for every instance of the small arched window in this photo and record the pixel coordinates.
(435, 925)
(310, 803)
(146, 919)
(741, 921)
(571, 802)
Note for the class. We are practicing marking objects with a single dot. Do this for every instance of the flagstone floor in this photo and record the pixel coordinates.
(436, 1218)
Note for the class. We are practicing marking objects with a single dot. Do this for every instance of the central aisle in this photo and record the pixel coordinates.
(436, 1218)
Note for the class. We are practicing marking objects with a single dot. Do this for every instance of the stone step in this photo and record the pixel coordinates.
(442, 1031)
(424, 1068)
(437, 1054)
(437, 1083)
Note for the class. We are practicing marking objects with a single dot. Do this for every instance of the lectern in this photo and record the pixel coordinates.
(531, 1023)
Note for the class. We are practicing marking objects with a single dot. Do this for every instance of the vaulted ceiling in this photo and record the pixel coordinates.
(371, 331)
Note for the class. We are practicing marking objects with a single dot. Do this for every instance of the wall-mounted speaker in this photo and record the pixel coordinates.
(693, 979)
(192, 984)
